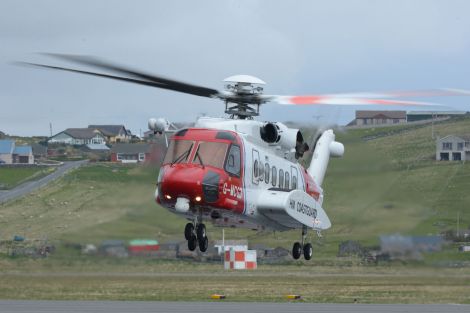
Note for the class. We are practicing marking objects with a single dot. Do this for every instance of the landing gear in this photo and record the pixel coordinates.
(297, 250)
(195, 234)
(188, 230)
(300, 248)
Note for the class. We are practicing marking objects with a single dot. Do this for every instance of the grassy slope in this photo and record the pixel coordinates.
(382, 186)
(13, 176)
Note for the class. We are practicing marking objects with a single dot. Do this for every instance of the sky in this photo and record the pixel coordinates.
(296, 47)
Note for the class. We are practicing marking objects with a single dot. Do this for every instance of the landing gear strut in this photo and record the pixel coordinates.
(300, 248)
(195, 234)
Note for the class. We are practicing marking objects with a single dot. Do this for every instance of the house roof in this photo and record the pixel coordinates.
(109, 130)
(381, 114)
(130, 148)
(39, 149)
(465, 137)
(23, 150)
(81, 133)
(7, 146)
(97, 147)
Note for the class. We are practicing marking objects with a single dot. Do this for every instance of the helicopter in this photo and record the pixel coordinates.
(237, 171)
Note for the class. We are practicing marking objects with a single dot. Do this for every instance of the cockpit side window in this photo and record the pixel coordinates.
(233, 161)
(178, 151)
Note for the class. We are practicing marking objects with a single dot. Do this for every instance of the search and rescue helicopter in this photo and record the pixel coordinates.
(240, 172)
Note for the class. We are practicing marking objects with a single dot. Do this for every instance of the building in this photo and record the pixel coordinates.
(453, 148)
(39, 151)
(78, 136)
(379, 118)
(113, 133)
(429, 115)
(10, 153)
(131, 153)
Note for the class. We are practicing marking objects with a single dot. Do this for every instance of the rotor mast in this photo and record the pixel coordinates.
(243, 97)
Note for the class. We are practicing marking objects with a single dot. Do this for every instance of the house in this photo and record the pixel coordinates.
(453, 148)
(39, 151)
(78, 136)
(430, 115)
(379, 118)
(113, 133)
(10, 153)
(131, 153)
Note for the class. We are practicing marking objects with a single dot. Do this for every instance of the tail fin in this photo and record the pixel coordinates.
(325, 147)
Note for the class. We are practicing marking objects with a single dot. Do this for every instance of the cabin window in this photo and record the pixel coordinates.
(255, 169)
(178, 151)
(281, 178)
(274, 176)
(232, 164)
(267, 171)
(211, 154)
(286, 180)
(294, 174)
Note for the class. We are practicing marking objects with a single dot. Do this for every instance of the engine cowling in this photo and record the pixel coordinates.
(287, 138)
(158, 125)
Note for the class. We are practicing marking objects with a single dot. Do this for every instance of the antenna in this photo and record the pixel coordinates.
(50, 128)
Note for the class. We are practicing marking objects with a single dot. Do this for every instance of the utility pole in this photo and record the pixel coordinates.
(50, 128)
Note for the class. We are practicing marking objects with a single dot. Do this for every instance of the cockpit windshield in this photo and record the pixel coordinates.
(178, 151)
(211, 154)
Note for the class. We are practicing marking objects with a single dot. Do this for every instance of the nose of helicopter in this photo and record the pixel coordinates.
(193, 183)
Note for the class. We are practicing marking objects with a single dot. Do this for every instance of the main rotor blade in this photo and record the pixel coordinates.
(126, 79)
(159, 81)
(331, 100)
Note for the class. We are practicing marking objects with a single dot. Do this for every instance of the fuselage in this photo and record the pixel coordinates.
(222, 173)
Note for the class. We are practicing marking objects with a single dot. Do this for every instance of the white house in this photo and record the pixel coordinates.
(453, 148)
(78, 136)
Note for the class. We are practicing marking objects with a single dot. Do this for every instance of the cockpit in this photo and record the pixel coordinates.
(216, 154)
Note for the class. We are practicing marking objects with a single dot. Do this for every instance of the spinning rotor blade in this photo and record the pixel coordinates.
(133, 76)
(369, 98)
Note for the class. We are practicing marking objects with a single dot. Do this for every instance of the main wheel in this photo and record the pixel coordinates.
(188, 230)
(192, 243)
(201, 231)
(296, 251)
(203, 244)
(308, 251)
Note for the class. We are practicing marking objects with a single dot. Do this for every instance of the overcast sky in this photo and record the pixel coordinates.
(297, 47)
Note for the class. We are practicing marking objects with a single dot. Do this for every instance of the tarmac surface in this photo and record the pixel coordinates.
(19, 306)
(28, 187)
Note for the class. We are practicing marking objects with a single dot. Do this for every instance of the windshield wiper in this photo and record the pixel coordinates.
(181, 157)
(200, 159)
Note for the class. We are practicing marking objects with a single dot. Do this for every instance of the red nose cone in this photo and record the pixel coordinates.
(182, 181)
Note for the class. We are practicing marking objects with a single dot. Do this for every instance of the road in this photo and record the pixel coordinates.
(30, 186)
(10, 306)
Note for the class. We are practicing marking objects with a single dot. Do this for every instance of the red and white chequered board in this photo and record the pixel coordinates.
(240, 260)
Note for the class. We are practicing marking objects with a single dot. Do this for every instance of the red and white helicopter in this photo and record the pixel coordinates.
(240, 172)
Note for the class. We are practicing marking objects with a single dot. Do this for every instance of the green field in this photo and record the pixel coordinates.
(13, 176)
(387, 185)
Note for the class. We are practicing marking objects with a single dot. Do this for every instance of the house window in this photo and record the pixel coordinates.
(459, 146)
(119, 157)
(447, 146)
(141, 156)
(396, 121)
(467, 144)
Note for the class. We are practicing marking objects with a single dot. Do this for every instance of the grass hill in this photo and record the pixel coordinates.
(390, 184)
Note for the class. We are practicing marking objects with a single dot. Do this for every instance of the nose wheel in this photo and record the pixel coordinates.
(196, 235)
(300, 248)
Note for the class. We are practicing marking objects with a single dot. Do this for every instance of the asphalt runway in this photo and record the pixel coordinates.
(19, 306)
